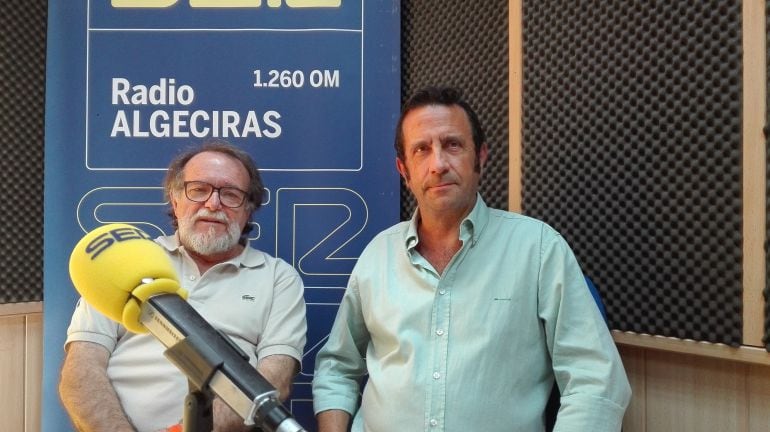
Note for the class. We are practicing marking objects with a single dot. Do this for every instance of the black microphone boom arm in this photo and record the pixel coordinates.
(211, 360)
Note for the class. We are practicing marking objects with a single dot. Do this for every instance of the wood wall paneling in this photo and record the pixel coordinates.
(633, 361)
(21, 366)
(758, 380)
(33, 371)
(12, 340)
(515, 101)
(694, 394)
(683, 392)
(754, 169)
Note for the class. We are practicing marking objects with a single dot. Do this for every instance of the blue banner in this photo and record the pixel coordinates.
(310, 88)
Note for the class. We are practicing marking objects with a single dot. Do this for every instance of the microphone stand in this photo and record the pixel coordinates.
(199, 363)
(198, 411)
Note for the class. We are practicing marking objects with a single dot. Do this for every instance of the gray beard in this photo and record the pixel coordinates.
(208, 243)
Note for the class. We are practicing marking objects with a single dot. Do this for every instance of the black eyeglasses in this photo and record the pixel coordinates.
(200, 191)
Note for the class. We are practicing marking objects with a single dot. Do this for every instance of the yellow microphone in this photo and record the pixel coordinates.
(117, 267)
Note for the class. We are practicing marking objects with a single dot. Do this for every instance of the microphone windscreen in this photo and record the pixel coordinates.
(118, 266)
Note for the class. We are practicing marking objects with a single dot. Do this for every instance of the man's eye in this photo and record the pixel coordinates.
(230, 194)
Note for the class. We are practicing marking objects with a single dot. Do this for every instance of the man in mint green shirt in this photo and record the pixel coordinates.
(464, 316)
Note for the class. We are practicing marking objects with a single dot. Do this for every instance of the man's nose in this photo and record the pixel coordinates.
(439, 162)
(213, 203)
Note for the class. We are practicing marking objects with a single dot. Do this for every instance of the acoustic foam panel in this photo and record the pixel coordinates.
(22, 101)
(632, 149)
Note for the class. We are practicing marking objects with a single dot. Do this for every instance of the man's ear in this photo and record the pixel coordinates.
(401, 167)
(483, 155)
(173, 201)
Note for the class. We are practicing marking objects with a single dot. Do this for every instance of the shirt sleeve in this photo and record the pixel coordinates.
(286, 329)
(593, 384)
(340, 364)
(89, 325)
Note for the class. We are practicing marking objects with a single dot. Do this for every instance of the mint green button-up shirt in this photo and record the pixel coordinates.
(477, 348)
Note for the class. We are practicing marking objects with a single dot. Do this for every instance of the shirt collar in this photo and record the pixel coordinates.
(470, 227)
(249, 257)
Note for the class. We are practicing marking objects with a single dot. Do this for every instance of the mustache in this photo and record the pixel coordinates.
(449, 179)
(207, 214)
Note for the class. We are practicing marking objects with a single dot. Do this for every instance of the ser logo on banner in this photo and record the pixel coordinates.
(227, 3)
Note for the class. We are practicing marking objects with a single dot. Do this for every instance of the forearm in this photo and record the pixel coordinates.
(333, 421)
(227, 420)
(87, 393)
(279, 370)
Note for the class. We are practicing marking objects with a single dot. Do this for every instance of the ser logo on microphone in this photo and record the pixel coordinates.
(103, 241)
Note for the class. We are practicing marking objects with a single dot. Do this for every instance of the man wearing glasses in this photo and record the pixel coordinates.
(119, 381)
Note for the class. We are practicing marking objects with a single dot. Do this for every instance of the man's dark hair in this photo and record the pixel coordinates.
(174, 181)
(439, 96)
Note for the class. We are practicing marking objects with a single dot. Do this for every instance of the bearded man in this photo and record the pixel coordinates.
(116, 380)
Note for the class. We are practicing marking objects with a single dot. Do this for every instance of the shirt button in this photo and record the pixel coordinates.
(442, 292)
(433, 422)
(192, 277)
(440, 332)
(436, 375)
